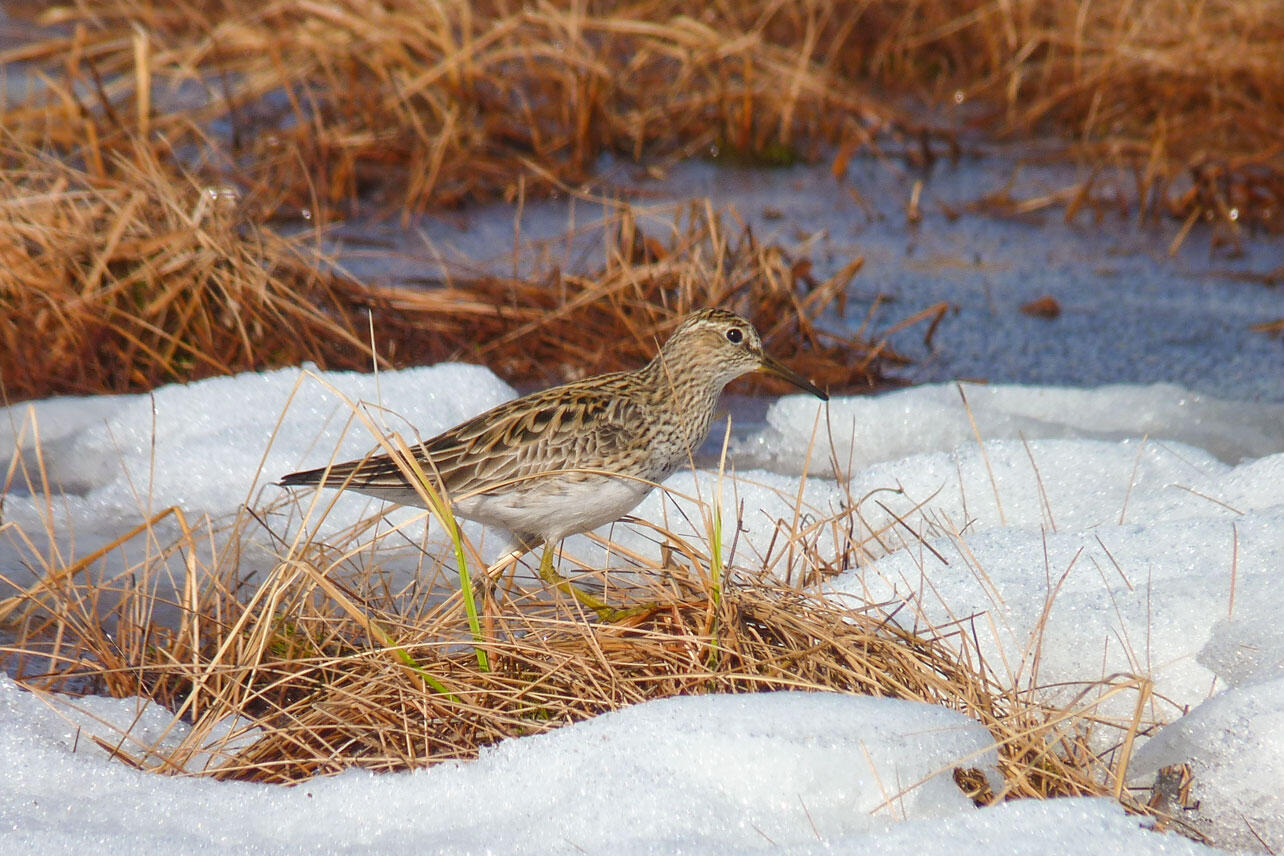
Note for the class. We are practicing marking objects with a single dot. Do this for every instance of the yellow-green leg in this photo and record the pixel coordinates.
(605, 612)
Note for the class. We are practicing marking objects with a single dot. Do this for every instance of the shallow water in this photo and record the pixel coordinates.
(1129, 311)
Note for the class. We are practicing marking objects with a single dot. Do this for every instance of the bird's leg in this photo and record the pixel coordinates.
(553, 578)
(605, 612)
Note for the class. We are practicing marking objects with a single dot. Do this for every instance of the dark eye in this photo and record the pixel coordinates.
(735, 336)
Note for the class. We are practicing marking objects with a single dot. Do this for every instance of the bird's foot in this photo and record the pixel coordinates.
(605, 612)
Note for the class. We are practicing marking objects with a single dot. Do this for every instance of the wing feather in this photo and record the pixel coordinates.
(567, 427)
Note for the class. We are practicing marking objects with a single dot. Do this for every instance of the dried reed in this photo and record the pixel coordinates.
(438, 103)
(324, 662)
(145, 276)
(1176, 106)
(124, 282)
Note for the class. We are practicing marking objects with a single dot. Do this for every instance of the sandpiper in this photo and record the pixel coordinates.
(577, 456)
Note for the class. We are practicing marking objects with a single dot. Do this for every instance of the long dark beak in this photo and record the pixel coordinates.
(779, 369)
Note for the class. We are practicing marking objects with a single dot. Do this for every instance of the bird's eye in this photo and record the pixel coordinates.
(735, 336)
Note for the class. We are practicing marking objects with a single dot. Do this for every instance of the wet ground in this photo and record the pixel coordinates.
(1129, 311)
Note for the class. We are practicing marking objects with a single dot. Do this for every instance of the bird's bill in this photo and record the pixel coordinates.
(779, 369)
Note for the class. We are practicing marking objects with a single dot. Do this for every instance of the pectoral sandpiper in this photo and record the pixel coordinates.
(577, 456)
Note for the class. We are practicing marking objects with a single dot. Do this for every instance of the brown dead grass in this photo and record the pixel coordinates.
(337, 669)
(143, 172)
(443, 103)
(144, 275)
(336, 660)
(1176, 106)
(124, 283)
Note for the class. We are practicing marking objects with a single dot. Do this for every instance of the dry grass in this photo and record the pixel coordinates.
(326, 657)
(145, 275)
(1176, 105)
(144, 166)
(124, 283)
(440, 103)
(141, 178)
(336, 670)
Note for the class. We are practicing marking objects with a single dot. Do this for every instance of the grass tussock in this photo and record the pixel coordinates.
(146, 275)
(124, 283)
(443, 103)
(1177, 105)
(291, 656)
(335, 670)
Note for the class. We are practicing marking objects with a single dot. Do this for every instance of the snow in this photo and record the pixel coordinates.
(932, 417)
(796, 772)
(1096, 526)
(1235, 745)
(1110, 504)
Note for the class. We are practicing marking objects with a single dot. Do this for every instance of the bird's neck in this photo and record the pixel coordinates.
(690, 395)
(683, 386)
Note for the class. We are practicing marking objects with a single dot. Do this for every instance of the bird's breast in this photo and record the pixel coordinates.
(555, 506)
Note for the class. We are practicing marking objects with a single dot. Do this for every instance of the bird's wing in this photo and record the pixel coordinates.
(567, 427)
(540, 433)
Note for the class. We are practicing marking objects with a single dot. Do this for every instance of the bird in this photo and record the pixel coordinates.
(570, 458)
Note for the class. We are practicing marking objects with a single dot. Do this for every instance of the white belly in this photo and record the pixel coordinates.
(554, 511)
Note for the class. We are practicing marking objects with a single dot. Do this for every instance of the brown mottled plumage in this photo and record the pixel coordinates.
(576, 456)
